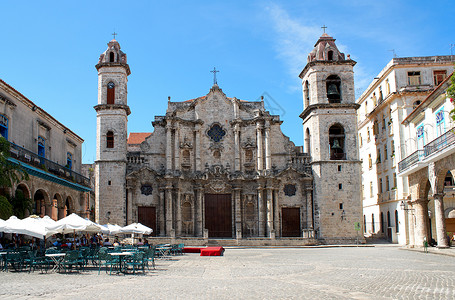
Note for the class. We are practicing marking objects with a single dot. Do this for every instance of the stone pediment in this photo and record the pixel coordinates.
(291, 171)
(144, 172)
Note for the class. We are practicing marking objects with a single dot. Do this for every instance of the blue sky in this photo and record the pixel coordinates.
(49, 50)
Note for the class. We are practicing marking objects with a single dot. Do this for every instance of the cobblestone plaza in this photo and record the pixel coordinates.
(382, 272)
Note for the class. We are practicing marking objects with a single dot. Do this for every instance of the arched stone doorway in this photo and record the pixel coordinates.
(23, 201)
(41, 202)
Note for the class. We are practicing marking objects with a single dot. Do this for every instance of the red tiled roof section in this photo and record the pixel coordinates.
(135, 138)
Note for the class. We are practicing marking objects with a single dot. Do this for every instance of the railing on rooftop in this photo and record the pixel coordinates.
(410, 160)
(440, 143)
(47, 165)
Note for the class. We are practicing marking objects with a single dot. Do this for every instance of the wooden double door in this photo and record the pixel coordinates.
(218, 215)
(290, 222)
(146, 215)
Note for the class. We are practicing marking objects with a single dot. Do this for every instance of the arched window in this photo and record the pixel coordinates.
(69, 160)
(308, 141)
(333, 89)
(364, 224)
(4, 126)
(109, 139)
(397, 227)
(330, 55)
(111, 57)
(382, 222)
(306, 93)
(336, 142)
(110, 93)
(388, 219)
(41, 146)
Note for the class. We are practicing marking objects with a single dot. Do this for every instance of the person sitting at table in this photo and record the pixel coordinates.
(116, 242)
(146, 243)
(107, 243)
(140, 243)
(57, 243)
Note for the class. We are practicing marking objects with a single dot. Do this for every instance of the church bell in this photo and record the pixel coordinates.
(336, 144)
(333, 91)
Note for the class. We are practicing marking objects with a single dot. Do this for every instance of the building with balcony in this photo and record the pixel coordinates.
(430, 169)
(397, 90)
(48, 151)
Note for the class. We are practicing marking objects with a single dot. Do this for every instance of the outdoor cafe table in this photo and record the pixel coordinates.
(165, 250)
(57, 258)
(120, 257)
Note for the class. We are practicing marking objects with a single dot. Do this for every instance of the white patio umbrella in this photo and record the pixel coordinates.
(110, 229)
(136, 228)
(71, 224)
(32, 226)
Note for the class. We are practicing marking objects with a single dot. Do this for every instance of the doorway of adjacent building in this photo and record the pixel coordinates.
(218, 215)
(290, 218)
(146, 215)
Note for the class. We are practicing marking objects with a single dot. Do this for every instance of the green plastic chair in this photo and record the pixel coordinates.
(136, 261)
(106, 260)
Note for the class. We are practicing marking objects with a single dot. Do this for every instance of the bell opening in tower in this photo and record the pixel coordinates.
(336, 142)
(333, 89)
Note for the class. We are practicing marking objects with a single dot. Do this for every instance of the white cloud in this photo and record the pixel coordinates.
(293, 39)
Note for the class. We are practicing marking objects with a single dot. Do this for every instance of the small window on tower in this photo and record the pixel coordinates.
(330, 55)
(111, 57)
(110, 139)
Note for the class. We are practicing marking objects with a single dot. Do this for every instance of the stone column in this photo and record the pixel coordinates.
(261, 212)
(268, 157)
(276, 215)
(237, 148)
(178, 209)
(259, 146)
(238, 211)
(309, 209)
(421, 215)
(168, 145)
(129, 217)
(441, 231)
(176, 150)
(200, 212)
(161, 214)
(169, 212)
(197, 147)
(269, 224)
(410, 222)
(48, 208)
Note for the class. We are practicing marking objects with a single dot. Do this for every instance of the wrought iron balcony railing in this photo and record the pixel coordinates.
(440, 143)
(47, 165)
(410, 160)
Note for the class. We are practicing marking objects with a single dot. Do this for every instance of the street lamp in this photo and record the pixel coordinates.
(403, 207)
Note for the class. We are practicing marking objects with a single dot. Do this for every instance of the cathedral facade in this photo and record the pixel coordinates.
(217, 167)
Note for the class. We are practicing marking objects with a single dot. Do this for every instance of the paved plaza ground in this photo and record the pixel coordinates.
(380, 272)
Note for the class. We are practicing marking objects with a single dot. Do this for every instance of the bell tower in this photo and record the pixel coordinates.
(111, 136)
(330, 134)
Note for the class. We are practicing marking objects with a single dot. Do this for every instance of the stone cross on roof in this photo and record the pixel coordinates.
(214, 75)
